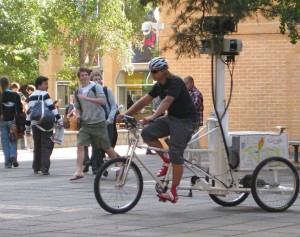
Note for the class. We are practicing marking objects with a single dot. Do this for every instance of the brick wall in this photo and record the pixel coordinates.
(266, 78)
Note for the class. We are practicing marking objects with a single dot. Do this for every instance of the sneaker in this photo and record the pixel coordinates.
(95, 170)
(46, 173)
(86, 167)
(167, 197)
(105, 173)
(164, 169)
(14, 161)
(36, 171)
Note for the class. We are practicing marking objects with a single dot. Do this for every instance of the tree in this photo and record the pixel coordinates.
(188, 31)
(21, 41)
(88, 28)
(82, 30)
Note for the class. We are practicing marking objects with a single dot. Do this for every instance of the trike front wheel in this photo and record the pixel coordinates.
(275, 184)
(118, 187)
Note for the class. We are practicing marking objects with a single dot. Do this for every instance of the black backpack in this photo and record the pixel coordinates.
(19, 118)
(106, 94)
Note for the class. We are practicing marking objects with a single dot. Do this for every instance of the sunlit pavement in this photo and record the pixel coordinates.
(37, 205)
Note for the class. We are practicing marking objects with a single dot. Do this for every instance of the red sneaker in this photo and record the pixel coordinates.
(168, 197)
(163, 171)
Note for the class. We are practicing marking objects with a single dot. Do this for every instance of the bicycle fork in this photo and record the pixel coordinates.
(123, 172)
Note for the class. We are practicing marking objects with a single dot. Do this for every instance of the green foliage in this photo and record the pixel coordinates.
(136, 13)
(187, 30)
(81, 29)
(21, 40)
(88, 28)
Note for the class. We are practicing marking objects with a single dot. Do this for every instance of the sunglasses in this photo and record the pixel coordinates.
(154, 71)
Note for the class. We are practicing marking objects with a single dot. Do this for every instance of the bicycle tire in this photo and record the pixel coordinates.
(111, 194)
(275, 184)
(230, 200)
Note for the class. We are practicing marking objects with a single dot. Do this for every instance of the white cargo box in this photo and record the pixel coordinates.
(253, 147)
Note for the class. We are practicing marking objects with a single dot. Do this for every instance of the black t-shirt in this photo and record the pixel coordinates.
(183, 106)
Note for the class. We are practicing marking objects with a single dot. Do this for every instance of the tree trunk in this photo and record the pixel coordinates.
(83, 38)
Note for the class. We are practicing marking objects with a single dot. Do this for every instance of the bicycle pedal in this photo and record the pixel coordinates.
(161, 200)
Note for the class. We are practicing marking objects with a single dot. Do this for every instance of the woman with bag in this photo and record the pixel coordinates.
(10, 106)
(70, 110)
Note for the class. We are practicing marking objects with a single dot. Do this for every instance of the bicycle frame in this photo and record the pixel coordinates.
(274, 183)
(212, 184)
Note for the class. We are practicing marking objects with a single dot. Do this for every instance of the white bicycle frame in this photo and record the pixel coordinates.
(219, 180)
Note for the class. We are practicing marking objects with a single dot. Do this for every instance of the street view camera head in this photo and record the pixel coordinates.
(219, 24)
(217, 27)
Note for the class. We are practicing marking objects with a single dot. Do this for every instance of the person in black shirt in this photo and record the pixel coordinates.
(179, 123)
(10, 105)
(15, 87)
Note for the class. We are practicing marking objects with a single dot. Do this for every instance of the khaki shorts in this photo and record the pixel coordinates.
(93, 132)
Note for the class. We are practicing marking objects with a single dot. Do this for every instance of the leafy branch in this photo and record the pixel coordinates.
(187, 25)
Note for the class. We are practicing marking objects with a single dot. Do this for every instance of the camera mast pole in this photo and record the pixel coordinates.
(220, 88)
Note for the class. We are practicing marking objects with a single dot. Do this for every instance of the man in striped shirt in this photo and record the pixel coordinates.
(43, 144)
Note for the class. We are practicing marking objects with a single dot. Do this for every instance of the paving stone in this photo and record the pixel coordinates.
(35, 205)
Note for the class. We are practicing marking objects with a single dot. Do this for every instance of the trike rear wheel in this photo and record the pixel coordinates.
(115, 191)
(230, 200)
(275, 184)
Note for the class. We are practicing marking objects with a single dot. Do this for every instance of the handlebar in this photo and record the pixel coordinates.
(129, 121)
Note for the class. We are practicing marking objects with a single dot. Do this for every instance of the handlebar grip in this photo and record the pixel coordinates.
(129, 121)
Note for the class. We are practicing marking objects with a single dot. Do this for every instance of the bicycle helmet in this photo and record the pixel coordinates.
(158, 63)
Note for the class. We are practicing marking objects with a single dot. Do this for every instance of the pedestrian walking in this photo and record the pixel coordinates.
(89, 99)
(10, 105)
(110, 109)
(42, 132)
(15, 87)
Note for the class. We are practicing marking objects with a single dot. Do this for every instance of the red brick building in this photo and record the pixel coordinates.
(266, 77)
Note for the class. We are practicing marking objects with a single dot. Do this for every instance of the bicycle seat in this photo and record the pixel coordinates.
(281, 128)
